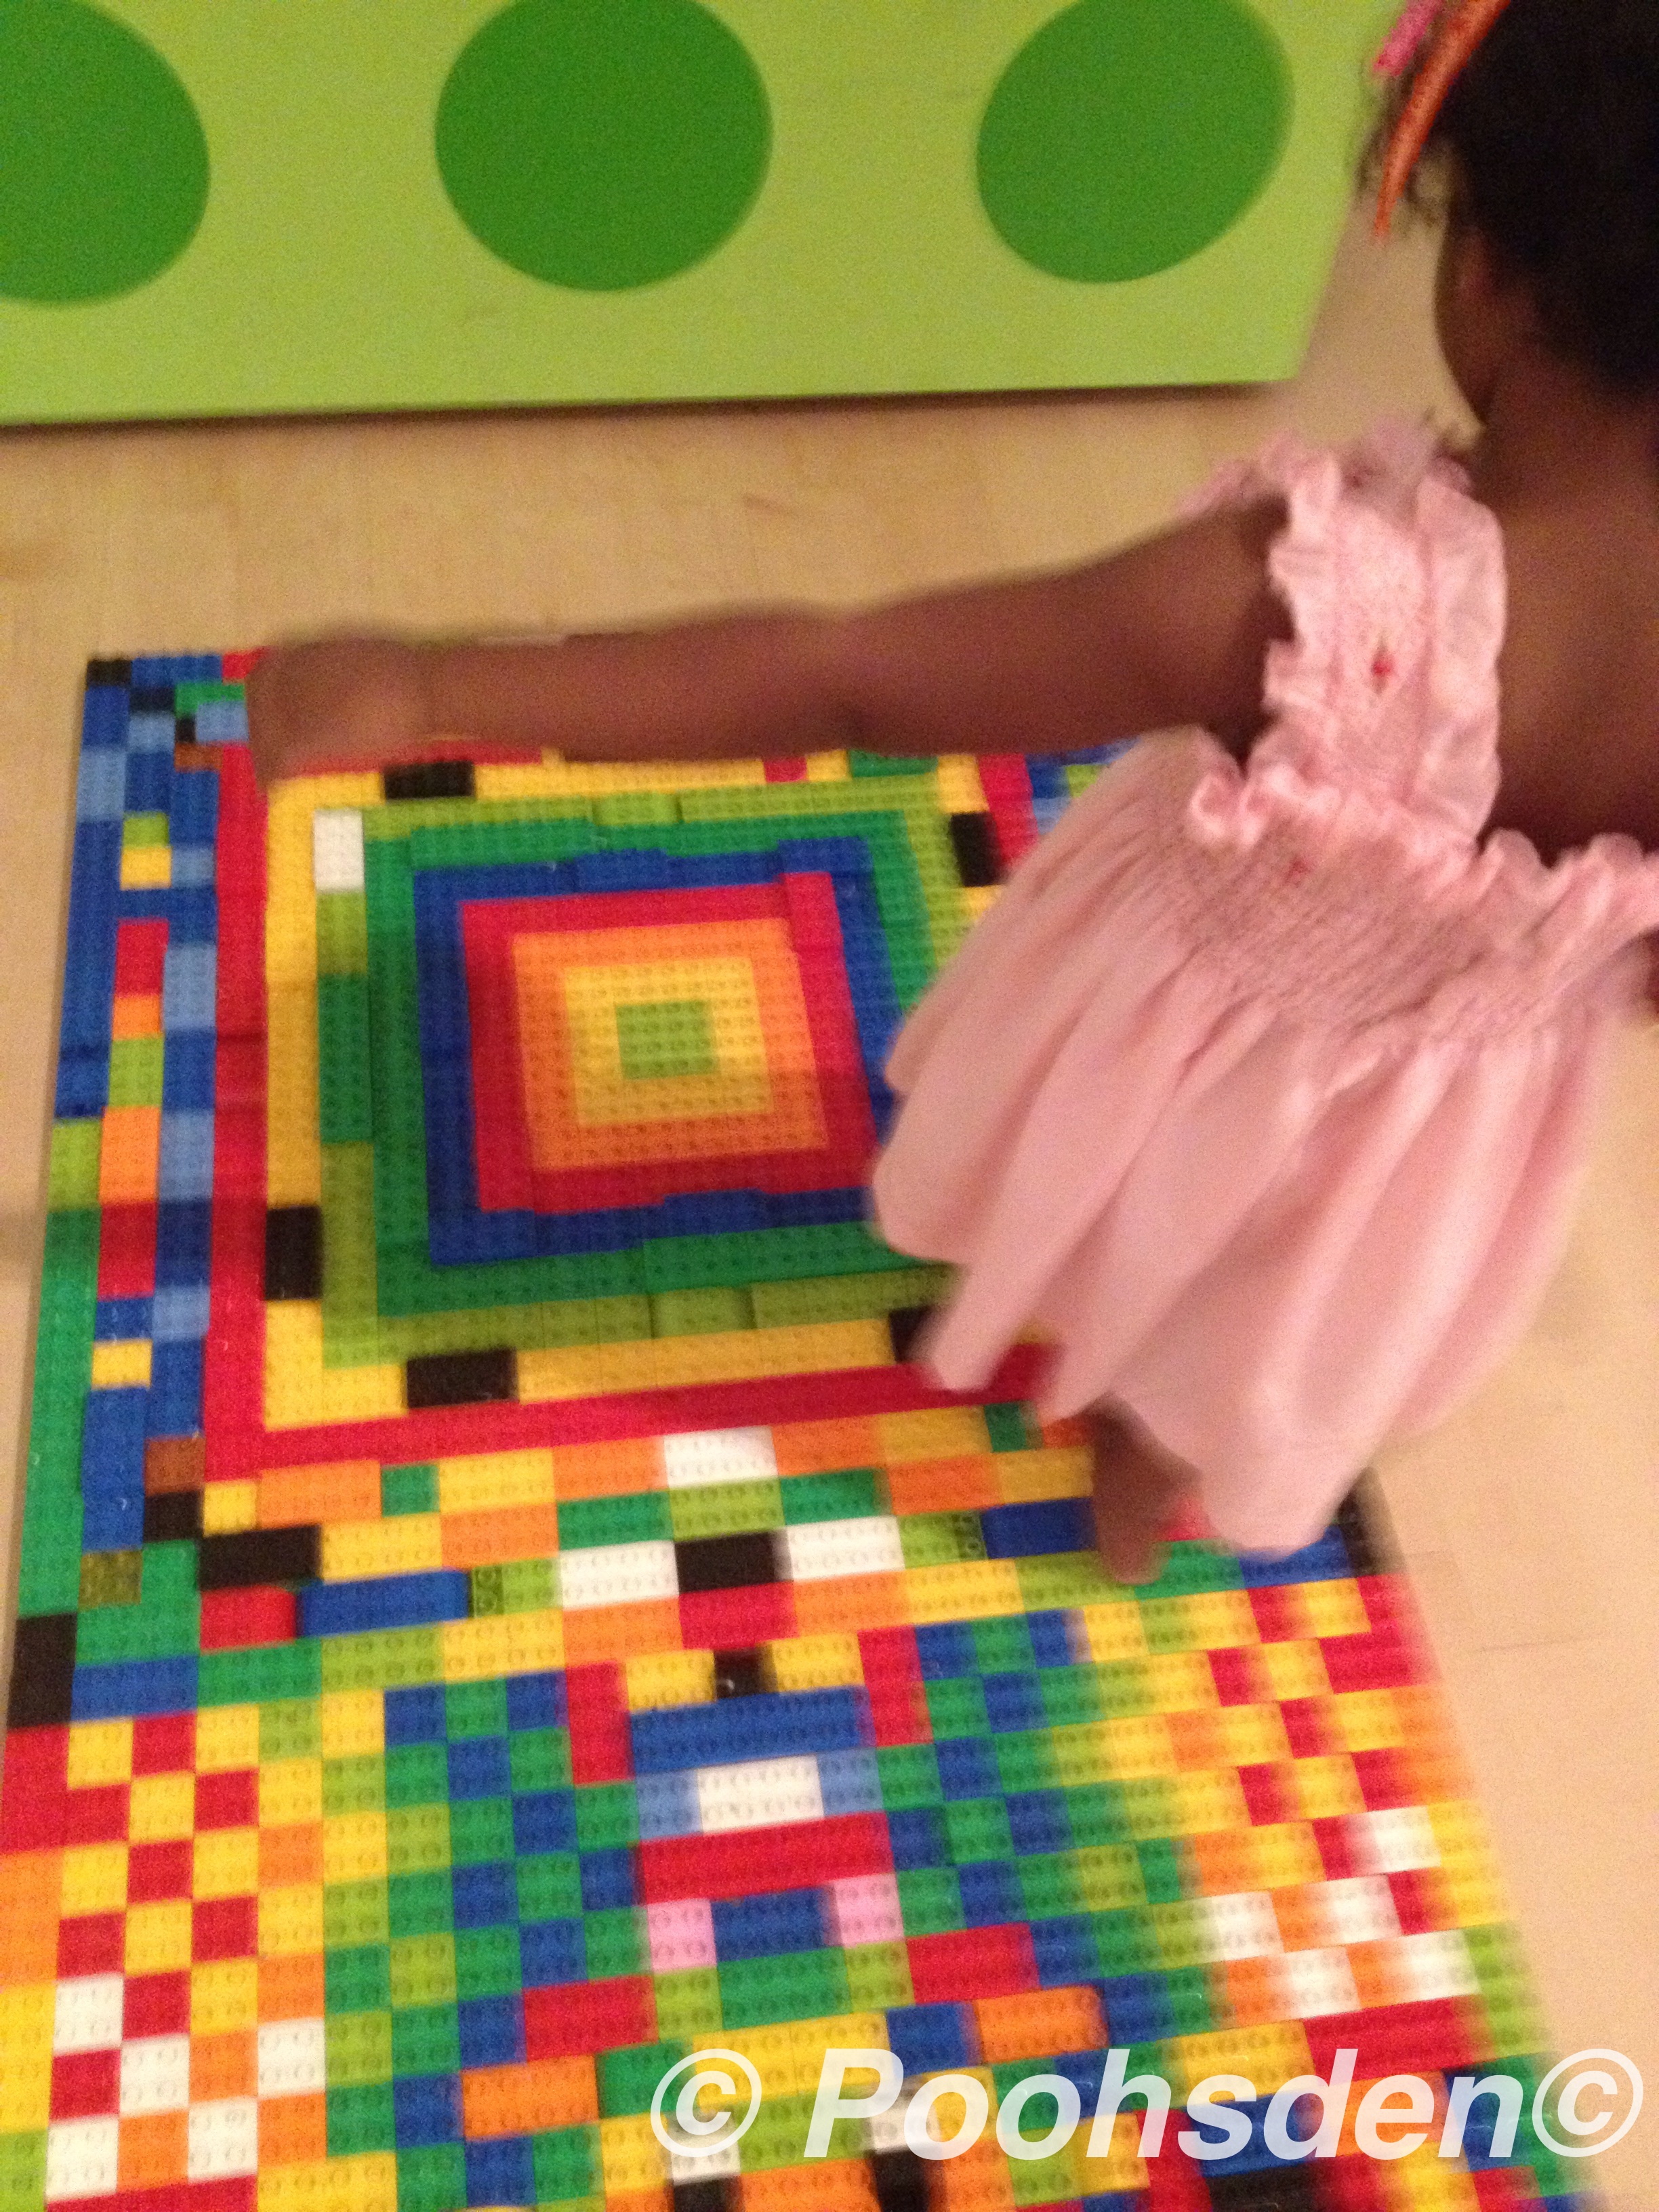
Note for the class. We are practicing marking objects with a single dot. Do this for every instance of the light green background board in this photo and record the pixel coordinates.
(853, 251)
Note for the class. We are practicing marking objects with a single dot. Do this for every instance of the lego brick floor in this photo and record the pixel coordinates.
(499, 1614)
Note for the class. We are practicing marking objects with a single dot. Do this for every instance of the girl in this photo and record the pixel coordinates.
(1265, 1085)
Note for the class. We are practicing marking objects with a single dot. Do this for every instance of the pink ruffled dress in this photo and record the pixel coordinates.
(1265, 1090)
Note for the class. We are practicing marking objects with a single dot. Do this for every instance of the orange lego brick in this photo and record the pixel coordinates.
(153, 2150)
(849, 1602)
(1251, 1994)
(31, 1891)
(221, 2066)
(608, 1470)
(522, 2100)
(1198, 1740)
(491, 1539)
(825, 1447)
(292, 1989)
(621, 1631)
(1039, 2024)
(129, 1159)
(290, 1856)
(639, 2200)
(302, 1497)
(135, 1014)
(839, 2185)
(944, 1486)
(293, 2131)
(977, 2181)
(1373, 1973)
(1222, 1860)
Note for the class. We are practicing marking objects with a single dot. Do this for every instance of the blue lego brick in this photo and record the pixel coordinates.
(933, 2039)
(990, 1893)
(113, 1520)
(491, 2034)
(1325, 1561)
(484, 1895)
(192, 916)
(189, 987)
(1138, 2009)
(179, 1313)
(89, 960)
(183, 1244)
(767, 1926)
(945, 1649)
(794, 1722)
(544, 1820)
(158, 672)
(221, 722)
(607, 1879)
(186, 1165)
(187, 1074)
(100, 786)
(394, 1602)
(149, 781)
(1014, 1702)
(535, 1701)
(193, 865)
(427, 2109)
(1056, 1638)
(116, 1320)
(667, 1806)
(83, 1084)
(104, 718)
(478, 1767)
(918, 1839)
(553, 1952)
(414, 1716)
(175, 1388)
(850, 1782)
(134, 1690)
(1084, 2070)
(503, 2171)
(1065, 1951)
(193, 810)
(1022, 1532)
(112, 1442)
(967, 1766)
(1037, 1818)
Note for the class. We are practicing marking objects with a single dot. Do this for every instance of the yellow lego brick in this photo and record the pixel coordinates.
(1332, 1609)
(978, 899)
(1110, 1877)
(300, 1392)
(946, 1432)
(1081, 1754)
(788, 2058)
(1268, 2057)
(630, 2157)
(99, 1753)
(367, 2183)
(1326, 1788)
(1031, 1478)
(95, 1879)
(1122, 2170)
(225, 1863)
(976, 1590)
(553, 778)
(354, 1847)
(147, 868)
(1425, 2182)
(158, 1936)
(816, 1662)
(163, 1808)
(483, 1480)
(122, 1366)
(1208, 1803)
(290, 1792)
(229, 1508)
(1287, 1856)
(1180, 1682)
(26, 2021)
(1369, 1720)
(227, 1738)
(1138, 1745)
(353, 1723)
(670, 1678)
(1114, 1630)
(1219, 1621)
(359, 1550)
(224, 1997)
(291, 1921)
(960, 791)
(826, 768)
(516, 1643)
(1252, 1736)
(1296, 1669)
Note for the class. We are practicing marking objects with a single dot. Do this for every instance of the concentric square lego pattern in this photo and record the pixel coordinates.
(499, 1611)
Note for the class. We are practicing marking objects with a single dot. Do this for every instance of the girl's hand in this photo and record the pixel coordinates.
(345, 700)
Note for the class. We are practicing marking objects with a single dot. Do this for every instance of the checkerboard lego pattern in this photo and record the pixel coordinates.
(498, 1612)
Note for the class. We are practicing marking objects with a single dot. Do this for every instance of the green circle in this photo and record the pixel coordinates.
(103, 162)
(1127, 135)
(600, 144)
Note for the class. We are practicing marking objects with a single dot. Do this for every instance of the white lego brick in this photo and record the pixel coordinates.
(337, 849)
(1242, 1925)
(87, 2013)
(864, 1909)
(681, 1934)
(155, 2075)
(223, 2139)
(1433, 1966)
(1358, 1909)
(1315, 1984)
(758, 1793)
(709, 1456)
(815, 1551)
(885, 2131)
(617, 1574)
(1397, 1841)
(722, 2165)
(83, 2158)
(292, 2058)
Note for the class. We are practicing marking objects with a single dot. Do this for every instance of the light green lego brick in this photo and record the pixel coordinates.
(941, 1539)
(386, 1659)
(847, 1297)
(688, 2003)
(140, 831)
(292, 1729)
(354, 1785)
(358, 2048)
(135, 1071)
(700, 1313)
(726, 1509)
(342, 933)
(22, 2173)
(72, 1170)
(877, 1976)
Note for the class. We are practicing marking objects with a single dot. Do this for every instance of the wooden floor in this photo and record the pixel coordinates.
(1531, 1524)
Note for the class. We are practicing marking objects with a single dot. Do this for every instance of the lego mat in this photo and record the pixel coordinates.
(235, 210)
(501, 1617)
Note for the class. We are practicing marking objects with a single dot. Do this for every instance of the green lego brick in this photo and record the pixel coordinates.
(1048, 1884)
(627, 2078)
(342, 933)
(432, 2179)
(421, 1903)
(358, 2048)
(929, 1900)
(422, 1970)
(802, 1985)
(409, 1490)
(344, 1078)
(473, 1709)
(977, 1828)
(361, 2119)
(417, 1774)
(135, 1071)
(955, 1707)
(22, 2171)
(486, 1963)
(1506, 1989)
(726, 1509)
(358, 1981)
(1096, 1814)
(550, 1886)
(354, 1913)
(1193, 1570)
(851, 1494)
(1072, 1695)
(72, 1170)
(1009, 1428)
(642, 1518)
(187, 697)
(877, 1976)
(523, 1586)
(417, 1839)
(539, 1758)
(110, 1579)
(1003, 1646)
(1025, 1759)
(277, 1673)
(426, 2039)
(481, 1830)
(616, 1943)
(163, 1623)
(607, 1817)
(688, 2003)
(566, 2163)
(1191, 2002)
(143, 832)
(1126, 1941)
(909, 1774)
(941, 1539)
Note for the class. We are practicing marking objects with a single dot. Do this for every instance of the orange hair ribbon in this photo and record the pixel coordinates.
(1465, 28)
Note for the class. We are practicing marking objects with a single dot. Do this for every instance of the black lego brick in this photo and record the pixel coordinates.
(256, 1558)
(905, 1325)
(174, 1518)
(900, 2180)
(1268, 2189)
(740, 1674)
(714, 1563)
(461, 1378)
(700, 2196)
(184, 729)
(107, 674)
(42, 1672)
(152, 699)
(429, 780)
(294, 1252)
(1363, 1523)
(974, 841)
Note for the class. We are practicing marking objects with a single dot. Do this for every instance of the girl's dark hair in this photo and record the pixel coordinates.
(1552, 135)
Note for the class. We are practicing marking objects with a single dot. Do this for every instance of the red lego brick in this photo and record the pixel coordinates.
(1277, 1617)
(584, 2018)
(1351, 2184)
(1308, 1726)
(738, 1620)
(892, 1680)
(975, 1962)
(165, 1744)
(126, 1251)
(600, 1749)
(227, 1800)
(235, 1620)
(235, 667)
(1433, 2037)
(1507, 2189)
(85, 2083)
(140, 957)
(802, 1856)
(156, 1871)
(1174, 2183)
(35, 1789)
(1336, 1842)
(156, 2004)
(1237, 1681)
(97, 1816)
(1418, 1900)
(1384, 1659)
(1385, 1784)
(1006, 782)
(1266, 1795)
(224, 1927)
(93, 1944)
(240, 1010)
(790, 770)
